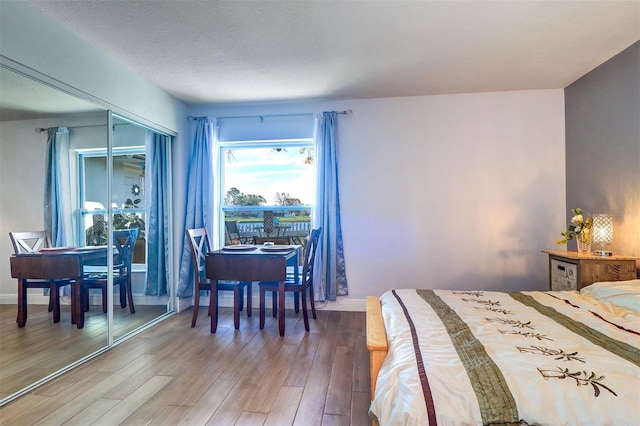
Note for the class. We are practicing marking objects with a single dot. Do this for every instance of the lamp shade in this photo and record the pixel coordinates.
(602, 229)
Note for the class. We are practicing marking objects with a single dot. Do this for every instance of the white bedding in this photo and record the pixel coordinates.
(548, 358)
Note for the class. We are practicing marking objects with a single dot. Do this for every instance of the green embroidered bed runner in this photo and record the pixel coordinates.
(494, 398)
(616, 347)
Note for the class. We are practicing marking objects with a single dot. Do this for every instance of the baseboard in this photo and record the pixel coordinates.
(40, 299)
(34, 299)
(225, 299)
(349, 305)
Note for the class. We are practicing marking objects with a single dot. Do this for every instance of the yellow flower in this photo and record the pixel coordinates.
(578, 224)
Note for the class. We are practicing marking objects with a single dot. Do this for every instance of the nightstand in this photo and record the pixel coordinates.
(571, 270)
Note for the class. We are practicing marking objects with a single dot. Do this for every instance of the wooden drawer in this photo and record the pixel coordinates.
(617, 271)
(564, 275)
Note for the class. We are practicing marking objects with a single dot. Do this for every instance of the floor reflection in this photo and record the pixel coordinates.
(42, 347)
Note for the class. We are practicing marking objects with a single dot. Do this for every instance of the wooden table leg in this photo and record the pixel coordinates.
(22, 304)
(54, 299)
(236, 308)
(213, 305)
(73, 303)
(76, 289)
(281, 310)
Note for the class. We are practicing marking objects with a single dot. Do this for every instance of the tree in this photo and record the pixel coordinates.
(232, 196)
(283, 199)
(235, 197)
(251, 200)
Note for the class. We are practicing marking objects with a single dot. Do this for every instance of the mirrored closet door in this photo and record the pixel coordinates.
(90, 178)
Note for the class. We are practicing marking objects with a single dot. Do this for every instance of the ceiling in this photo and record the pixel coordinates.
(246, 51)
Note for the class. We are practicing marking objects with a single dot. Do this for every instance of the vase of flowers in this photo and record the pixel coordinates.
(583, 240)
(580, 228)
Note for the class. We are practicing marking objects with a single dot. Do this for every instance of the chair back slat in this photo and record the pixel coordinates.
(125, 241)
(29, 242)
(200, 246)
(309, 255)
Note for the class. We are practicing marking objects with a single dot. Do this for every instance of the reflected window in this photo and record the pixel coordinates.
(128, 200)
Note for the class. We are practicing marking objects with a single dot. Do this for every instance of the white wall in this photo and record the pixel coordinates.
(452, 191)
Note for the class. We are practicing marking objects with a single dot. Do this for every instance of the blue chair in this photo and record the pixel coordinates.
(124, 241)
(304, 283)
(200, 246)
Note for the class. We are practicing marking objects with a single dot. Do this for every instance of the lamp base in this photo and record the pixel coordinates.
(603, 253)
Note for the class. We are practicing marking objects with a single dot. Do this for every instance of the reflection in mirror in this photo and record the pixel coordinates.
(56, 144)
(139, 194)
(30, 353)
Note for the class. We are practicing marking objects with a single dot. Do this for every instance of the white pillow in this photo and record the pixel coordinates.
(620, 293)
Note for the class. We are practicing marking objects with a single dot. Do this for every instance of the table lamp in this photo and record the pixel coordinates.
(603, 232)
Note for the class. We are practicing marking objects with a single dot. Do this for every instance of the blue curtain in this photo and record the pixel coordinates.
(199, 196)
(157, 232)
(332, 277)
(57, 189)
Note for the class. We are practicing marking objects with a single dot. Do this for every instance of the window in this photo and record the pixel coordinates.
(266, 190)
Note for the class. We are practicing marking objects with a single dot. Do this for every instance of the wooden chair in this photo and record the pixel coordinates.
(29, 242)
(304, 283)
(200, 246)
(124, 241)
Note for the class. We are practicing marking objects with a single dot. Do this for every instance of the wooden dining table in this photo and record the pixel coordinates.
(54, 264)
(251, 263)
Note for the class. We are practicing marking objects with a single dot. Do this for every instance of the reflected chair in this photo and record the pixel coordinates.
(304, 283)
(124, 242)
(30, 242)
(200, 246)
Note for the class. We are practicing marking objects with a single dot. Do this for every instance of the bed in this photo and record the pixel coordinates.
(483, 357)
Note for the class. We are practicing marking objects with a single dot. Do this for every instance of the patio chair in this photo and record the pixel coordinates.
(234, 232)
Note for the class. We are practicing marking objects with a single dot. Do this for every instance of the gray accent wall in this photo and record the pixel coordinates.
(602, 119)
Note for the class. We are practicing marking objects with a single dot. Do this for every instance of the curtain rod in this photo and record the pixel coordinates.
(44, 129)
(345, 112)
(263, 116)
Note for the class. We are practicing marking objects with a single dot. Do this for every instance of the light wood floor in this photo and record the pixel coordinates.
(172, 374)
(40, 348)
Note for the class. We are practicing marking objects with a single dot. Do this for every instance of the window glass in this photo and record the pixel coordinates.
(267, 190)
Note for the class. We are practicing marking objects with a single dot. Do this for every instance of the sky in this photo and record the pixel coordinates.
(263, 171)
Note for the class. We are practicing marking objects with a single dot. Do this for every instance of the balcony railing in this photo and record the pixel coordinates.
(253, 224)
